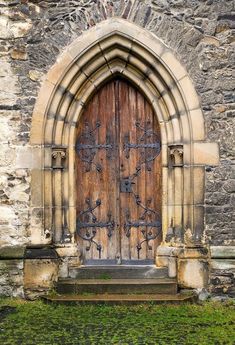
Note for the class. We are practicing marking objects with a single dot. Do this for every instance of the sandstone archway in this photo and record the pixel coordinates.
(118, 47)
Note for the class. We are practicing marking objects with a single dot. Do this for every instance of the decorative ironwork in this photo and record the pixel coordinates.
(148, 236)
(128, 225)
(86, 147)
(147, 225)
(149, 143)
(87, 225)
(146, 208)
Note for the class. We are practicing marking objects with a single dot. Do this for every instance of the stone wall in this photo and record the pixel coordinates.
(11, 271)
(33, 34)
(222, 271)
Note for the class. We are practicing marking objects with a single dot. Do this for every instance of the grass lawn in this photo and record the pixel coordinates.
(34, 323)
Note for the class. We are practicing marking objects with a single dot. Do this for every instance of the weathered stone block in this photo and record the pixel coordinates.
(39, 275)
(13, 29)
(7, 214)
(5, 129)
(162, 261)
(197, 124)
(229, 186)
(63, 271)
(223, 264)
(36, 187)
(34, 75)
(172, 267)
(70, 250)
(222, 252)
(206, 153)
(19, 54)
(40, 270)
(193, 273)
(168, 251)
(46, 252)
(13, 252)
(11, 273)
(7, 155)
(193, 253)
(199, 185)
(9, 87)
(28, 157)
(222, 281)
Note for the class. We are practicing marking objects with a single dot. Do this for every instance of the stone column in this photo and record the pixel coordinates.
(175, 200)
(58, 165)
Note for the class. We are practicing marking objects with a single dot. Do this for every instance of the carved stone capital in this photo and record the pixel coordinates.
(58, 154)
(176, 155)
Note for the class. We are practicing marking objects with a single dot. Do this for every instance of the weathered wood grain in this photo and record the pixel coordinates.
(117, 107)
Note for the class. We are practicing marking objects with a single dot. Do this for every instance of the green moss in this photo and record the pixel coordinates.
(105, 276)
(34, 323)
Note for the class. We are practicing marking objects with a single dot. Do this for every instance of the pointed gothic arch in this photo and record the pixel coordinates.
(118, 47)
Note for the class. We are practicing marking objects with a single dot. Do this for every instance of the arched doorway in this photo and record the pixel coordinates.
(118, 48)
(118, 177)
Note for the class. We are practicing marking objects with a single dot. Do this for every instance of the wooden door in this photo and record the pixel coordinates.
(118, 169)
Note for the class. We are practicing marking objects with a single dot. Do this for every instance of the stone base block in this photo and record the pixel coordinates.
(70, 250)
(39, 276)
(162, 261)
(167, 257)
(172, 267)
(193, 273)
(188, 264)
(67, 262)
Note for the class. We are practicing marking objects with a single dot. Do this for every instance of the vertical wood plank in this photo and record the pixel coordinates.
(124, 118)
(141, 179)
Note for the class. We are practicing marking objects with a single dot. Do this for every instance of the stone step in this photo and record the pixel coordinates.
(117, 286)
(118, 272)
(115, 299)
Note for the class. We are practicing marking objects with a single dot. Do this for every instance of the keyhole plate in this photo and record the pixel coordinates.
(126, 185)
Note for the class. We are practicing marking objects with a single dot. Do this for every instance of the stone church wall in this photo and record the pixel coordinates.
(33, 34)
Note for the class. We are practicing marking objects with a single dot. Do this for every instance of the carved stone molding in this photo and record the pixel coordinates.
(64, 84)
(176, 155)
(58, 156)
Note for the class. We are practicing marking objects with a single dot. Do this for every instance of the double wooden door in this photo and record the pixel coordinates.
(118, 171)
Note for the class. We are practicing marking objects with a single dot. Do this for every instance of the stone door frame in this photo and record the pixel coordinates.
(118, 47)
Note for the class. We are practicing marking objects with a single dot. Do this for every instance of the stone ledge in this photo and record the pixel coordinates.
(7, 253)
(41, 253)
(67, 251)
(193, 253)
(223, 264)
(226, 252)
(168, 251)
